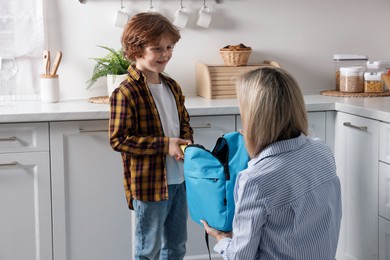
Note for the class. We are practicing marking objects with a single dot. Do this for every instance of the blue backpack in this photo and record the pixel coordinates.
(210, 178)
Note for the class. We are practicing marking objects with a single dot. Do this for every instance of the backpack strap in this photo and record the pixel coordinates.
(221, 151)
(206, 237)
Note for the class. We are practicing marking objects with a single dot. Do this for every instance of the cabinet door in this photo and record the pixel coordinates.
(356, 152)
(206, 132)
(384, 239)
(384, 190)
(317, 124)
(91, 219)
(207, 129)
(384, 137)
(25, 206)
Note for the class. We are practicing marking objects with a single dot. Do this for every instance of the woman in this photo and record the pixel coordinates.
(288, 200)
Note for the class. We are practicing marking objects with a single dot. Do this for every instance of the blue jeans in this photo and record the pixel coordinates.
(161, 227)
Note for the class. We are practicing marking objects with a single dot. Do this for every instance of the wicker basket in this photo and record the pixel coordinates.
(235, 57)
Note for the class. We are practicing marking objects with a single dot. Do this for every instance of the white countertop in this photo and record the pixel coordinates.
(35, 111)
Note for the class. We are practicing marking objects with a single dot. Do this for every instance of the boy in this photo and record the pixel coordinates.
(148, 123)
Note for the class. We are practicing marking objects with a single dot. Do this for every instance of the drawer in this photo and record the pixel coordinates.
(207, 129)
(24, 137)
(384, 190)
(316, 127)
(384, 142)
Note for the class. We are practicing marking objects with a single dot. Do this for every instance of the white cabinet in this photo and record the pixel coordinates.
(25, 206)
(317, 124)
(384, 239)
(384, 140)
(356, 152)
(384, 211)
(384, 191)
(91, 219)
(207, 129)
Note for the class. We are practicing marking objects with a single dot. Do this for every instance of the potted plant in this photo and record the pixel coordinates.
(113, 66)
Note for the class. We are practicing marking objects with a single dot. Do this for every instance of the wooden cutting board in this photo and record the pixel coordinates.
(100, 100)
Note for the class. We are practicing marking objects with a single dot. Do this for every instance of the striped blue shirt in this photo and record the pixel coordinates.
(288, 204)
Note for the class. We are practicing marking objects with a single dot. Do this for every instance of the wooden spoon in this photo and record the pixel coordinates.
(56, 64)
(46, 61)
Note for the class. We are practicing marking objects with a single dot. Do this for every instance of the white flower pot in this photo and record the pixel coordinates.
(113, 81)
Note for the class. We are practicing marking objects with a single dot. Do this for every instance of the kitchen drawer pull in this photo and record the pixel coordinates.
(363, 128)
(9, 139)
(85, 131)
(8, 164)
(202, 126)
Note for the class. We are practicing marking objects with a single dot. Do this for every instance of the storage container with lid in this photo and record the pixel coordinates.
(373, 82)
(348, 60)
(352, 79)
(378, 65)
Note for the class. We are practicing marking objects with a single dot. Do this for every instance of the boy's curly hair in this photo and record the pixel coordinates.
(146, 29)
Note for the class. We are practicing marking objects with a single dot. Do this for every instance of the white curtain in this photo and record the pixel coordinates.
(22, 41)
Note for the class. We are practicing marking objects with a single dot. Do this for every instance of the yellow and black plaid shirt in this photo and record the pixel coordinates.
(136, 132)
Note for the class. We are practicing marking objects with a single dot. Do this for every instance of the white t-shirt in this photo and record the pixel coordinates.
(166, 107)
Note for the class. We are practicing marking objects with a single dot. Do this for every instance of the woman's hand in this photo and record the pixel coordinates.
(215, 232)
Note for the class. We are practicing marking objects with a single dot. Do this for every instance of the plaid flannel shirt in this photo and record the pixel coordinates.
(136, 132)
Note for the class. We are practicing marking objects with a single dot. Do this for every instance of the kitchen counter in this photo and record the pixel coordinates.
(35, 111)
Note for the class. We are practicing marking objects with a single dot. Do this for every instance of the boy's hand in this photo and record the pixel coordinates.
(175, 149)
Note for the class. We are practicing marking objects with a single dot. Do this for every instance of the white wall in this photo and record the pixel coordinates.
(302, 35)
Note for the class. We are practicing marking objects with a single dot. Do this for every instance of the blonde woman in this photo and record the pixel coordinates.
(288, 200)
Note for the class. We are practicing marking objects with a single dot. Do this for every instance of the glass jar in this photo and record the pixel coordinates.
(373, 82)
(352, 79)
(348, 60)
(378, 65)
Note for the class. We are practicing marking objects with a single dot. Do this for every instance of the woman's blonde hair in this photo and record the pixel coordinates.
(146, 29)
(272, 107)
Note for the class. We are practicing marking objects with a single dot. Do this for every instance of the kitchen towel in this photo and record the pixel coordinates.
(22, 41)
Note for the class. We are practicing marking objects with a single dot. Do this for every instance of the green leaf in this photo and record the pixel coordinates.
(114, 63)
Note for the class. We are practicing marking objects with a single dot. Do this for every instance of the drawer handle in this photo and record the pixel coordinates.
(202, 126)
(12, 164)
(84, 131)
(9, 139)
(363, 128)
